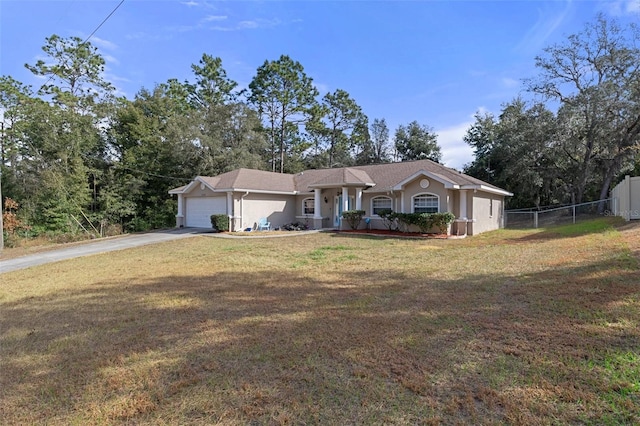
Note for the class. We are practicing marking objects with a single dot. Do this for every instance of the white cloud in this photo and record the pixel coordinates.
(510, 82)
(190, 3)
(102, 43)
(543, 28)
(455, 151)
(148, 37)
(112, 78)
(252, 24)
(633, 6)
(261, 23)
(322, 88)
(211, 18)
(248, 24)
(111, 59)
(220, 28)
(622, 7)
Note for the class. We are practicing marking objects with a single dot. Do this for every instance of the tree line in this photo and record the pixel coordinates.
(77, 157)
(577, 152)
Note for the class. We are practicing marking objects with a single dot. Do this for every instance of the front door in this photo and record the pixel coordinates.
(337, 209)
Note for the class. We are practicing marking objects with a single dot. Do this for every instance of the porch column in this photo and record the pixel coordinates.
(345, 198)
(229, 203)
(180, 215)
(316, 203)
(180, 201)
(402, 202)
(461, 221)
(358, 198)
(463, 204)
(230, 211)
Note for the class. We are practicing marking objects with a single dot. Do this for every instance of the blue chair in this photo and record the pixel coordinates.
(263, 225)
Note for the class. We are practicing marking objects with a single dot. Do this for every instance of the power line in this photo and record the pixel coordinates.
(118, 166)
(91, 35)
(103, 21)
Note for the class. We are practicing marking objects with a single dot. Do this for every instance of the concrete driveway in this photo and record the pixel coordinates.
(99, 246)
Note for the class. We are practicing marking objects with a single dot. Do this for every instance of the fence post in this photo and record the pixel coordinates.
(535, 220)
(574, 213)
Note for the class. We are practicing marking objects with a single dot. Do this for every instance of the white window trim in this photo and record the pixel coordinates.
(381, 196)
(313, 201)
(413, 203)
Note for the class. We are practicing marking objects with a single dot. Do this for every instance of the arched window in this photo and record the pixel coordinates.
(308, 206)
(426, 203)
(380, 203)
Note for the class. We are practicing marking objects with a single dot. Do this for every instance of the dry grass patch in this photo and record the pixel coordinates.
(514, 327)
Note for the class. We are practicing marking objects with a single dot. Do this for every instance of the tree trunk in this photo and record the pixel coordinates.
(273, 145)
(604, 190)
(332, 144)
(283, 124)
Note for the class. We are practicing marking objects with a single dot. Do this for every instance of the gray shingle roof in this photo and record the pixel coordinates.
(379, 178)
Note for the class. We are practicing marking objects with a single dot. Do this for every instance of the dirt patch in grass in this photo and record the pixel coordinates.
(328, 329)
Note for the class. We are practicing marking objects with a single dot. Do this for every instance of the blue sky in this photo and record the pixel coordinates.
(437, 62)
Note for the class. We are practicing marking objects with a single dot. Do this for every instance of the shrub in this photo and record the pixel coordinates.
(389, 219)
(138, 224)
(353, 217)
(220, 222)
(442, 220)
(405, 220)
(425, 221)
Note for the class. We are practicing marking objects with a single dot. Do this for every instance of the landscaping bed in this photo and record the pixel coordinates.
(398, 234)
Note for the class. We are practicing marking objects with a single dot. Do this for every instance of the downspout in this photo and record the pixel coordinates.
(242, 209)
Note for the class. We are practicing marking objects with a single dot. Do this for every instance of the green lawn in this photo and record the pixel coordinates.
(518, 327)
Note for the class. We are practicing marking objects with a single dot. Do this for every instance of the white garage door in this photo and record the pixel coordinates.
(199, 210)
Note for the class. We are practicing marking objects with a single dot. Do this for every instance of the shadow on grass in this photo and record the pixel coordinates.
(246, 347)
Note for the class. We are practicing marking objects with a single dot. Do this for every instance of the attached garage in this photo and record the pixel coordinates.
(247, 195)
(200, 209)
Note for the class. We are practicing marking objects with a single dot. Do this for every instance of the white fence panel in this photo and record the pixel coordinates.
(626, 198)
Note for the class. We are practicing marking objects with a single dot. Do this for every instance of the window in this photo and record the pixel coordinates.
(380, 203)
(308, 206)
(426, 203)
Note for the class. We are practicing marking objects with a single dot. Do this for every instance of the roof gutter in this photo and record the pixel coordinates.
(257, 191)
(488, 189)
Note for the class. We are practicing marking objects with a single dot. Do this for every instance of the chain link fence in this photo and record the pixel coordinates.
(538, 218)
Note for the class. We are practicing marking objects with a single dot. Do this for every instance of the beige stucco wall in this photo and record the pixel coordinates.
(435, 187)
(278, 209)
(480, 211)
(308, 219)
(200, 191)
(402, 201)
(326, 209)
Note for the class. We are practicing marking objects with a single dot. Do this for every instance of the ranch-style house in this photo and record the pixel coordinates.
(318, 197)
